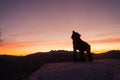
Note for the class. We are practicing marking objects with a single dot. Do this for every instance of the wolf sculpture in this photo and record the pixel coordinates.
(81, 46)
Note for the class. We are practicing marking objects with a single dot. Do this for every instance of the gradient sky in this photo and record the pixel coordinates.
(29, 26)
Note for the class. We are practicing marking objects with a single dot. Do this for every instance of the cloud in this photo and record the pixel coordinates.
(28, 33)
(35, 43)
(1, 40)
(108, 40)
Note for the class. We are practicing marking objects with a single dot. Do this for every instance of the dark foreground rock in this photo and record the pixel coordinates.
(96, 70)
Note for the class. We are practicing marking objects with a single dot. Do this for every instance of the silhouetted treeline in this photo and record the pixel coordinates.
(16, 68)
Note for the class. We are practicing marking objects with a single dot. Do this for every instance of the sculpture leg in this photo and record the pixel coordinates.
(90, 58)
(82, 56)
(74, 54)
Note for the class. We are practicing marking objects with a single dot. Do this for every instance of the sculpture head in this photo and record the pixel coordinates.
(75, 35)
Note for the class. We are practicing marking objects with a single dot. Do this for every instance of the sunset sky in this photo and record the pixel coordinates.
(29, 26)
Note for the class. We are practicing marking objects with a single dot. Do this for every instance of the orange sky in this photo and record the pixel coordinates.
(44, 25)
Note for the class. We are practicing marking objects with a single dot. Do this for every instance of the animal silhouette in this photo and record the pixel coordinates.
(81, 46)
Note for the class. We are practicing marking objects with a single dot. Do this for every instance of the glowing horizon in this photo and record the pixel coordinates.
(25, 48)
(44, 25)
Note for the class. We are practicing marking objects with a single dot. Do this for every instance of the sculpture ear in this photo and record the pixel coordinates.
(73, 31)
